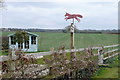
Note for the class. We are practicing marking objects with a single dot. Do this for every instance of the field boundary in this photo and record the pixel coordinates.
(41, 54)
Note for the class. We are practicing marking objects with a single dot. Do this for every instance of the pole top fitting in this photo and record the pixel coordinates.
(71, 23)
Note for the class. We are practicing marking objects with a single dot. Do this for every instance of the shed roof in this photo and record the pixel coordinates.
(25, 31)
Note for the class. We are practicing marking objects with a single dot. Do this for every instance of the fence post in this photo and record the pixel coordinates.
(12, 64)
(100, 55)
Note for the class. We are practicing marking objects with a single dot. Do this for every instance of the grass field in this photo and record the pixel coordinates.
(108, 72)
(47, 40)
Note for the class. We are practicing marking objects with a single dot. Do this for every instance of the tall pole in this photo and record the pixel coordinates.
(72, 34)
(72, 40)
(72, 16)
(73, 21)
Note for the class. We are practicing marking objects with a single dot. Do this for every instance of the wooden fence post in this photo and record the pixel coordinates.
(100, 55)
(12, 64)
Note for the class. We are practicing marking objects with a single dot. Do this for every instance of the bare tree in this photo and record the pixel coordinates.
(67, 29)
(1, 4)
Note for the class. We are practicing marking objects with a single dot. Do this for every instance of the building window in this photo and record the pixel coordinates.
(20, 45)
(13, 40)
(33, 39)
(27, 44)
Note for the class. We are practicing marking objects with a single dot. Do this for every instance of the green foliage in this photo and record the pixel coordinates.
(5, 43)
(21, 36)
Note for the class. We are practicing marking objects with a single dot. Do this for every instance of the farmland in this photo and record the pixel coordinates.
(47, 40)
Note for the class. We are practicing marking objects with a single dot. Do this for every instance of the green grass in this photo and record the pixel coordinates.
(108, 72)
(3, 53)
(48, 40)
(41, 60)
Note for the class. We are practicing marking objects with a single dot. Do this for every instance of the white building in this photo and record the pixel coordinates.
(28, 46)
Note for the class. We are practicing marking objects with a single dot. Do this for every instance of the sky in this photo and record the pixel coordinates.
(49, 14)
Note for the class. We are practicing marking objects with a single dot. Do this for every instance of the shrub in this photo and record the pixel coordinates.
(5, 43)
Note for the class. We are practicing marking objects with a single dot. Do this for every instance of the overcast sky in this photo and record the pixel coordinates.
(50, 14)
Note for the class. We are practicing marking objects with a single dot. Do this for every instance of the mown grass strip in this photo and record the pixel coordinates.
(110, 71)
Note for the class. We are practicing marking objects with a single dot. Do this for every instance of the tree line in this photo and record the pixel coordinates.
(65, 30)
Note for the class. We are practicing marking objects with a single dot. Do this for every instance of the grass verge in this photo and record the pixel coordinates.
(110, 71)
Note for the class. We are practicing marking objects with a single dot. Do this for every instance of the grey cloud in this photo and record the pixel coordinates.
(35, 4)
(51, 15)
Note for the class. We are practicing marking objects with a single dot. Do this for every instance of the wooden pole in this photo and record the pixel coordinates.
(72, 40)
(73, 21)
(72, 35)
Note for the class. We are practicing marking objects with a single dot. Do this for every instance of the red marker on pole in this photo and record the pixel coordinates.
(72, 16)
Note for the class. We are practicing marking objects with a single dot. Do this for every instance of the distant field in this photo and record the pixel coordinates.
(48, 40)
